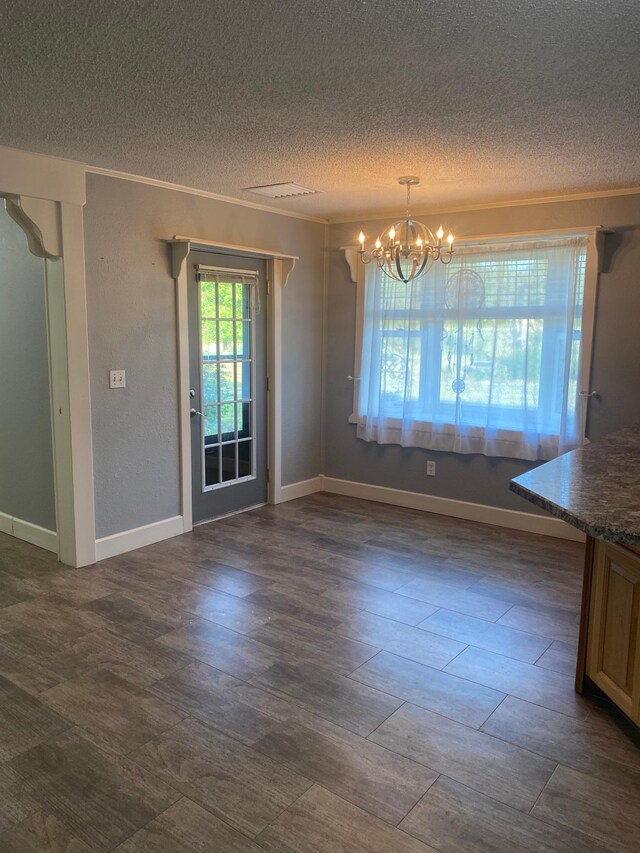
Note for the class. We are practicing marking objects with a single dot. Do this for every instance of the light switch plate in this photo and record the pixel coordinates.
(117, 379)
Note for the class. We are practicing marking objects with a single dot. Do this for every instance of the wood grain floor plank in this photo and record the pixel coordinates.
(357, 707)
(560, 657)
(581, 802)
(222, 648)
(488, 765)
(486, 635)
(543, 687)
(594, 744)
(115, 714)
(102, 799)
(24, 721)
(185, 827)
(558, 623)
(455, 819)
(320, 822)
(404, 640)
(331, 649)
(461, 600)
(244, 788)
(430, 688)
(210, 695)
(17, 801)
(42, 832)
(379, 781)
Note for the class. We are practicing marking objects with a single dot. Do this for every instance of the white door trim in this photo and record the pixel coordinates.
(279, 266)
(46, 197)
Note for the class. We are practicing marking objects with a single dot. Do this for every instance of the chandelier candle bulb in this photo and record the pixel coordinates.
(440, 233)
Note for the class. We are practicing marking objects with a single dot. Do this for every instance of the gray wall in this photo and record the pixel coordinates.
(132, 325)
(26, 453)
(616, 357)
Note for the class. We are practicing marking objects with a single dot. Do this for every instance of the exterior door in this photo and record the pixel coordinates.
(228, 372)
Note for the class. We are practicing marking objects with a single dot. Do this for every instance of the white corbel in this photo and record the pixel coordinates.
(39, 218)
(351, 257)
(179, 253)
(287, 268)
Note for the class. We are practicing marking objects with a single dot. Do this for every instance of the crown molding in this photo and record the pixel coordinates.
(463, 208)
(167, 185)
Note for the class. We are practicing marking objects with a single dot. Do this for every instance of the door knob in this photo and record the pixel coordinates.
(193, 412)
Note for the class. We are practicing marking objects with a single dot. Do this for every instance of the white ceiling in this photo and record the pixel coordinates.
(486, 100)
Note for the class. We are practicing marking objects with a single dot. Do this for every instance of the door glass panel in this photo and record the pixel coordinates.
(225, 300)
(243, 340)
(229, 462)
(227, 384)
(227, 381)
(245, 461)
(211, 466)
(209, 383)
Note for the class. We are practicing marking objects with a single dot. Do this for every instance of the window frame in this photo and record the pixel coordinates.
(595, 235)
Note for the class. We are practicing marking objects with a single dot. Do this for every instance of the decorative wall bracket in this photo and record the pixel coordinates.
(352, 258)
(40, 220)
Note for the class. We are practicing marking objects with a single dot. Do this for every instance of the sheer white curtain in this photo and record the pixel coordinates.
(480, 356)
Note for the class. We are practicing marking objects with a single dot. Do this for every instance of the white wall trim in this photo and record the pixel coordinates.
(509, 518)
(138, 537)
(181, 188)
(300, 489)
(41, 176)
(29, 532)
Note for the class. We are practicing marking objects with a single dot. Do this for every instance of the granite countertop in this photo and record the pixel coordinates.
(595, 488)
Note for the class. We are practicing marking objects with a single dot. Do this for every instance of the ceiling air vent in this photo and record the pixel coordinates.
(281, 190)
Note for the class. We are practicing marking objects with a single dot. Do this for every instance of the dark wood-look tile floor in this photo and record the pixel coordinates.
(325, 676)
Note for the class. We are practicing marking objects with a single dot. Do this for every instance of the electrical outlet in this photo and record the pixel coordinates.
(431, 469)
(117, 379)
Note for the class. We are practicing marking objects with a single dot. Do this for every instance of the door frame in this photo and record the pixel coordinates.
(45, 196)
(279, 267)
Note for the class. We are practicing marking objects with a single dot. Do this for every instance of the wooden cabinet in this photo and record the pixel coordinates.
(613, 642)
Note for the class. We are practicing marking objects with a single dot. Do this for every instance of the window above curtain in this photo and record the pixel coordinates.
(484, 355)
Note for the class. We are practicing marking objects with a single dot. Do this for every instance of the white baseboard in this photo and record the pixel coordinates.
(457, 509)
(29, 532)
(300, 490)
(129, 540)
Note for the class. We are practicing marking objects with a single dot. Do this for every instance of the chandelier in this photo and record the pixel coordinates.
(408, 248)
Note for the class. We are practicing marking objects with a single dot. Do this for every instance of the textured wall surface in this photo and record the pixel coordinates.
(491, 100)
(132, 325)
(26, 453)
(616, 354)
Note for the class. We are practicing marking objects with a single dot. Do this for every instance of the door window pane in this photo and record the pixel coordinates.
(209, 383)
(245, 461)
(227, 384)
(211, 466)
(211, 430)
(227, 417)
(229, 462)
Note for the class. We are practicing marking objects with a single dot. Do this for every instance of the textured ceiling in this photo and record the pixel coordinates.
(486, 101)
